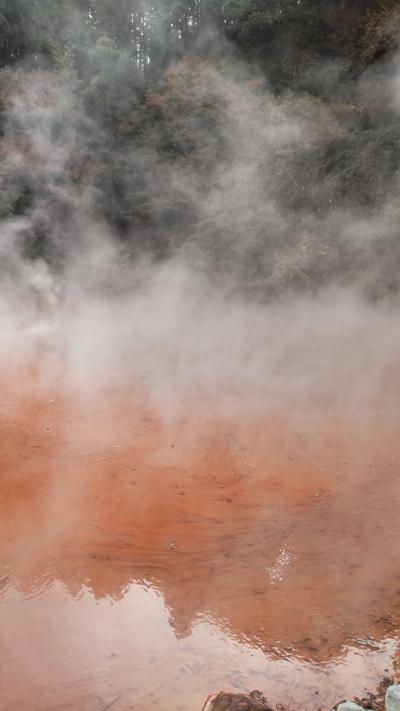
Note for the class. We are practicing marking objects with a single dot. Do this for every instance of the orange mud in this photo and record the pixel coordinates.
(149, 561)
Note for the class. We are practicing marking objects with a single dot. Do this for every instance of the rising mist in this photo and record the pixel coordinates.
(199, 300)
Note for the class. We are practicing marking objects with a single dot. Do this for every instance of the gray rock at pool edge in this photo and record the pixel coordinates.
(350, 706)
(392, 698)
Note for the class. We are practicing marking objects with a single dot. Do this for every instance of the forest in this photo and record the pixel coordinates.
(256, 140)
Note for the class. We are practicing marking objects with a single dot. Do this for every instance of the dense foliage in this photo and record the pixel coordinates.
(258, 139)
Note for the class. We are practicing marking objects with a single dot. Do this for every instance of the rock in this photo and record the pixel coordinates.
(237, 702)
(392, 698)
(349, 706)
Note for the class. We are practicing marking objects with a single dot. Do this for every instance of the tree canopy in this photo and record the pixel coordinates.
(237, 132)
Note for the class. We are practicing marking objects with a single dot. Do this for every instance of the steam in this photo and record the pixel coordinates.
(204, 246)
(256, 275)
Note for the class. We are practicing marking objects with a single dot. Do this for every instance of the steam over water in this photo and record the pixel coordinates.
(197, 498)
(199, 380)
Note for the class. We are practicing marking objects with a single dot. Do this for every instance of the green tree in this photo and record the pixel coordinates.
(114, 84)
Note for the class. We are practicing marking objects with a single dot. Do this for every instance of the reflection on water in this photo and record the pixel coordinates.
(88, 652)
(148, 562)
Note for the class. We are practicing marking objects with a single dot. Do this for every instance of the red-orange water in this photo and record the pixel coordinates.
(148, 561)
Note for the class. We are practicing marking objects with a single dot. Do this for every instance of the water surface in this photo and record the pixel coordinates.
(149, 559)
